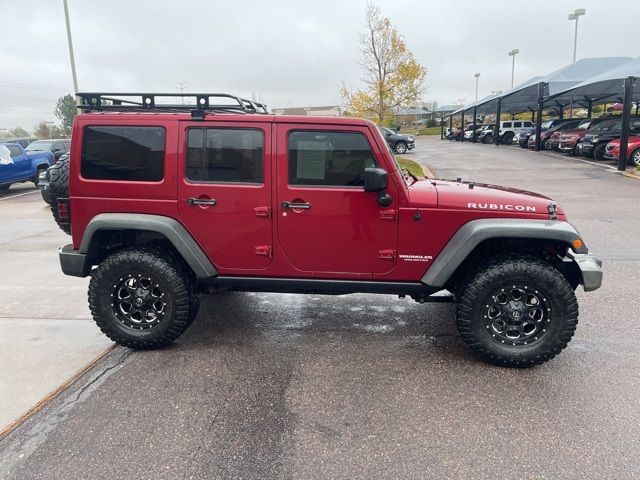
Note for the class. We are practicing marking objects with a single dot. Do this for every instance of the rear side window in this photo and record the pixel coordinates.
(528, 124)
(328, 158)
(123, 153)
(225, 155)
(517, 125)
(15, 151)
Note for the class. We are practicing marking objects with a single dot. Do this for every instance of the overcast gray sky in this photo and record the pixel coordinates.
(290, 53)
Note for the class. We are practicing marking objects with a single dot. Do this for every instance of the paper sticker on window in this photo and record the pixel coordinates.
(311, 160)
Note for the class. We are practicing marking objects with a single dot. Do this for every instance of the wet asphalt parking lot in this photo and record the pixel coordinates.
(365, 386)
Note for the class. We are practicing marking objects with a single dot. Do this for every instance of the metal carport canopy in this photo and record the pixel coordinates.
(558, 81)
(622, 83)
(603, 86)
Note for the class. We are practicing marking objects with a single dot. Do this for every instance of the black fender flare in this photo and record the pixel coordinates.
(170, 228)
(471, 234)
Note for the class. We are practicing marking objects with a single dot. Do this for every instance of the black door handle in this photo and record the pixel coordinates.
(296, 205)
(201, 201)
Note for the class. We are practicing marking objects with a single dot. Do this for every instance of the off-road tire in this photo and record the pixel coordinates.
(141, 262)
(401, 148)
(488, 138)
(185, 272)
(475, 293)
(507, 139)
(598, 152)
(59, 188)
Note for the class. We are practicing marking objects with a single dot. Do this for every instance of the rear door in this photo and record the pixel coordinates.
(20, 162)
(224, 193)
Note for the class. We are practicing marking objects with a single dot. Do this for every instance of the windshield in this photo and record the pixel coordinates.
(386, 131)
(547, 125)
(40, 146)
(612, 125)
(584, 125)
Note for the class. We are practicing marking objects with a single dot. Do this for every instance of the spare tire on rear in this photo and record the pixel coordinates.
(59, 188)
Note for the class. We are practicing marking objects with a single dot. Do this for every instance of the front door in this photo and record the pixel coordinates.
(224, 195)
(328, 226)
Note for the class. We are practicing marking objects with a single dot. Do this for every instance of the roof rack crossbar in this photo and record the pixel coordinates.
(95, 101)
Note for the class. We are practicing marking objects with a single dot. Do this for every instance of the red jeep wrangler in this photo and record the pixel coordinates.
(165, 201)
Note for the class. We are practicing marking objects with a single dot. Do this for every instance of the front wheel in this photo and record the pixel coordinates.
(516, 311)
(401, 148)
(598, 152)
(635, 157)
(140, 299)
(488, 139)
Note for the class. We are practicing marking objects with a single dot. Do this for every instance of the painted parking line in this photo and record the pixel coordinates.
(19, 195)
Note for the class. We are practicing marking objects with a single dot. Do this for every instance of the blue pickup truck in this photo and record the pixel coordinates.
(22, 166)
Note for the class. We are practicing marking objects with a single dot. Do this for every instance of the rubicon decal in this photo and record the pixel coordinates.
(416, 258)
(500, 206)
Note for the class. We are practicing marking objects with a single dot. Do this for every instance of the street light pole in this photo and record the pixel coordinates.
(575, 16)
(70, 42)
(512, 54)
(476, 75)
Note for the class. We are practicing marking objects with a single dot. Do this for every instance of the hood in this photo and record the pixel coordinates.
(574, 131)
(494, 198)
(404, 135)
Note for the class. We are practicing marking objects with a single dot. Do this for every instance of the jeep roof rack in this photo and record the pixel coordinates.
(201, 103)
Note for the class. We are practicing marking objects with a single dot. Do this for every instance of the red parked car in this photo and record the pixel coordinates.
(570, 138)
(549, 138)
(165, 202)
(612, 150)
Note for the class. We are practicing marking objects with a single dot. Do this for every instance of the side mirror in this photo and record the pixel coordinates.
(375, 179)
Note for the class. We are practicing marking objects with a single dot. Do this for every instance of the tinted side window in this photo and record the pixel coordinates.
(15, 151)
(225, 155)
(328, 158)
(528, 124)
(123, 153)
(517, 124)
(506, 125)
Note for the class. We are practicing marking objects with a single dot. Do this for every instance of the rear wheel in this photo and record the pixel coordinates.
(140, 299)
(507, 139)
(39, 170)
(516, 311)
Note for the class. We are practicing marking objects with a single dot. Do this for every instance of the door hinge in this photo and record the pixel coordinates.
(263, 250)
(388, 214)
(387, 254)
(262, 212)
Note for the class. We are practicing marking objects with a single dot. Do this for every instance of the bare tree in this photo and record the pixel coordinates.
(393, 78)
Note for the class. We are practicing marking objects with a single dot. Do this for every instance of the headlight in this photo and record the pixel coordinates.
(594, 139)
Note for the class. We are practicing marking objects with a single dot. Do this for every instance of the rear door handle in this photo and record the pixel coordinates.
(297, 205)
(201, 201)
